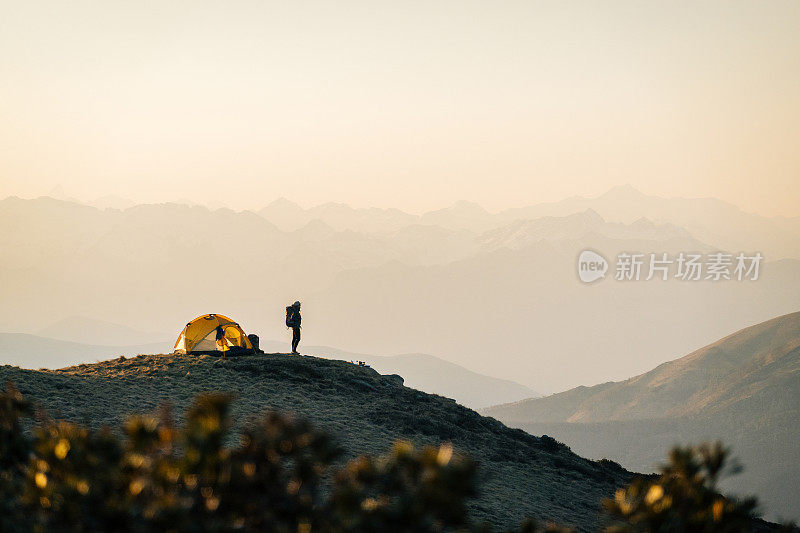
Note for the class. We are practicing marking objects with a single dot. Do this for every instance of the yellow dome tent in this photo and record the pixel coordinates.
(212, 333)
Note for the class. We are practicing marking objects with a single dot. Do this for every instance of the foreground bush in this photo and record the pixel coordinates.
(158, 477)
(684, 497)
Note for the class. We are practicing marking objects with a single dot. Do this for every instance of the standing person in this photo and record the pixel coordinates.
(293, 320)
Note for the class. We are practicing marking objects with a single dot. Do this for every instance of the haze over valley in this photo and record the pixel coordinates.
(496, 293)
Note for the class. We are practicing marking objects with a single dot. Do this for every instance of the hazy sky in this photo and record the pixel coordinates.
(405, 104)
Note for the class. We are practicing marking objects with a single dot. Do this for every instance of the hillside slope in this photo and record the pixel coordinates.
(743, 389)
(761, 358)
(522, 475)
(430, 374)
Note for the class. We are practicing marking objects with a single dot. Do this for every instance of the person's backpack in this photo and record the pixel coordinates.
(289, 316)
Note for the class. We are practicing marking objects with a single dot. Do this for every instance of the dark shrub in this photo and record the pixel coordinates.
(684, 497)
(549, 444)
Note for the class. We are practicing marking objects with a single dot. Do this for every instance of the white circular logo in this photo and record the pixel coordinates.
(591, 266)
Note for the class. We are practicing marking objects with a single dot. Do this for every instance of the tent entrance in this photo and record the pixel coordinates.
(212, 334)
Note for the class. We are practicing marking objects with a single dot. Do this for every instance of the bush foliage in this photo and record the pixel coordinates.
(156, 476)
(684, 497)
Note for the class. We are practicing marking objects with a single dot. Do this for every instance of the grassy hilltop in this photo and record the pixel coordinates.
(520, 475)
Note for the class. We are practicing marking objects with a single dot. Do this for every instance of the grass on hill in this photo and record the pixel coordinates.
(520, 475)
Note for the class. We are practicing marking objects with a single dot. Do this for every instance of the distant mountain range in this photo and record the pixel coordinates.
(32, 351)
(743, 389)
(85, 330)
(495, 292)
(289, 217)
(707, 219)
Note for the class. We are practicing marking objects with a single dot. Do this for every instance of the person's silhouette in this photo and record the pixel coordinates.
(293, 320)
